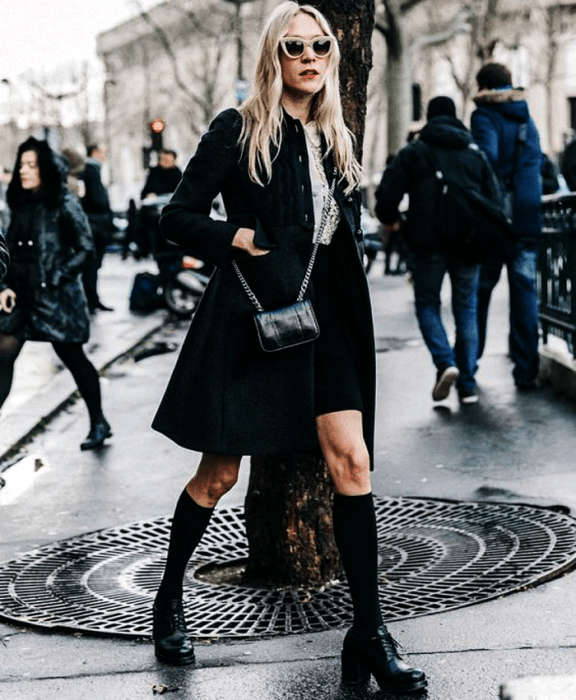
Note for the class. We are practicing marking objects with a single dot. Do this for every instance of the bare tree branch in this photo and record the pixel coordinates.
(165, 42)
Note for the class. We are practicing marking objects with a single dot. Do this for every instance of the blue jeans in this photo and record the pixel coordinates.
(521, 263)
(428, 274)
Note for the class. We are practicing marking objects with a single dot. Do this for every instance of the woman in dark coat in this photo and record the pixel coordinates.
(273, 161)
(42, 297)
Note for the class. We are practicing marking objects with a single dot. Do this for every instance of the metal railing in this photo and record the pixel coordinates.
(557, 268)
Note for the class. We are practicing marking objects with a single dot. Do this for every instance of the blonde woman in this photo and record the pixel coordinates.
(274, 162)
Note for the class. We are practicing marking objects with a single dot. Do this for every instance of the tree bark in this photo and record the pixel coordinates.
(288, 506)
(353, 23)
(288, 512)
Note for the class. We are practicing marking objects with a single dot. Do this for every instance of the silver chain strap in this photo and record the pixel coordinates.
(308, 274)
(246, 286)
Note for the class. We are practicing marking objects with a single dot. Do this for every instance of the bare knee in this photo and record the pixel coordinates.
(215, 476)
(341, 438)
(350, 470)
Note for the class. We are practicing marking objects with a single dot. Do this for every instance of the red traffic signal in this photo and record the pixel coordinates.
(157, 126)
(156, 129)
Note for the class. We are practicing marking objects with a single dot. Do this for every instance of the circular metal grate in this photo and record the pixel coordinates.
(433, 556)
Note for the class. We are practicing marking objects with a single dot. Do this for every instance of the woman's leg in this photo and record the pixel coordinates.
(342, 443)
(215, 476)
(10, 347)
(85, 376)
(88, 383)
(368, 646)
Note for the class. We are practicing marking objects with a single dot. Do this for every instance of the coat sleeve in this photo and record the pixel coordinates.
(76, 235)
(393, 186)
(186, 219)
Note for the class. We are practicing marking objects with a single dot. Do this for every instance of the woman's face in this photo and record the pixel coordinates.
(306, 74)
(29, 171)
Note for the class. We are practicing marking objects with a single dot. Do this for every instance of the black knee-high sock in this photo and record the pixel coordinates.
(357, 539)
(188, 525)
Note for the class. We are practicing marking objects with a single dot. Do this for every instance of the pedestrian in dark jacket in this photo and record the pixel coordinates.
(274, 161)
(96, 204)
(445, 141)
(164, 177)
(42, 297)
(498, 124)
(161, 180)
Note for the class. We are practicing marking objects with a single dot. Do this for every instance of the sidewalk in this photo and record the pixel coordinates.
(512, 448)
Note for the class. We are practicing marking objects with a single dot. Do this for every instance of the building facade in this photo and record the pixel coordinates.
(185, 60)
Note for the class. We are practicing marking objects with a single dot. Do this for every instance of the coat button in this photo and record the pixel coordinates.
(359, 234)
(30, 242)
(20, 243)
(43, 285)
(349, 199)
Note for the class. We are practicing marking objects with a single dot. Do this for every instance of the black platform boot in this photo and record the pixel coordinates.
(171, 642)
(379, 656)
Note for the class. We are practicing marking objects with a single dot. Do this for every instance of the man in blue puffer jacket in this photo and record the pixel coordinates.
(503, 128)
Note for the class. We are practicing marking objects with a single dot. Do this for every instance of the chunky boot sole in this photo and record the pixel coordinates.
(174, 660)
(355, 671)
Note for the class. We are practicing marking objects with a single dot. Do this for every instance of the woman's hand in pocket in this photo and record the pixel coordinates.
(244, 240)
(7, 300)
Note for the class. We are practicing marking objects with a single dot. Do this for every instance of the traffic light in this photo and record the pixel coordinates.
(156, 129)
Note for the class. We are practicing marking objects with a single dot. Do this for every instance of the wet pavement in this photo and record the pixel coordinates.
(511, 448)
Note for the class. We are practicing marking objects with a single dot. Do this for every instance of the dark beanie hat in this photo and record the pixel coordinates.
(441, 107)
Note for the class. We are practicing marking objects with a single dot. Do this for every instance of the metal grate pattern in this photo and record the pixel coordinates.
(433, 555)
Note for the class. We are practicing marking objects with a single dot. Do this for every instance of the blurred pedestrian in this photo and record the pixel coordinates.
(444, 140)
(96, 204)
(162, 180)
(164, 177)
(284, 164)
(75, 165)
(550, 182)
(568, 164)
(42, 297)
(394, 239)
(505, 131)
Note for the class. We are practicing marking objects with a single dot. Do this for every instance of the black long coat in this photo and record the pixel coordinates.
(226, 396)
(50, 304)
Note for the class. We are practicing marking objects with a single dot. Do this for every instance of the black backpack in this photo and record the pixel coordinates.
(145, 293)
(468, 226)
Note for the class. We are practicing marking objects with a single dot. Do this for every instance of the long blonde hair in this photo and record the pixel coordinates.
(262, 111)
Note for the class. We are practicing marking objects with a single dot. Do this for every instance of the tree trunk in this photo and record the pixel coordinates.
(397, 77)
(288, 506)
(289, 523)
(353, 23)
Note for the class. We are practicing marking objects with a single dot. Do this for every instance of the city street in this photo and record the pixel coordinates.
(512, 448)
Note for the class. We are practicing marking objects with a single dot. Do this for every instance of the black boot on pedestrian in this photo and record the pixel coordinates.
(98, 433)
(379, 656)
(171, 642)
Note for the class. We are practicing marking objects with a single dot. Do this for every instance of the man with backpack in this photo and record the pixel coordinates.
(503, 128)
(426, 169)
